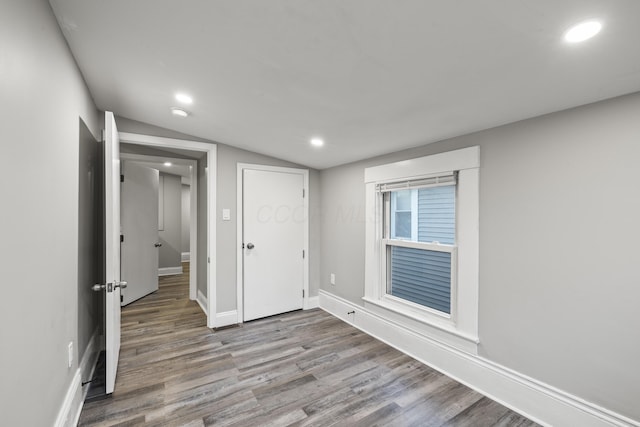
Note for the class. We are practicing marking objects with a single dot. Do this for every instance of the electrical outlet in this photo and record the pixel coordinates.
(332, 279)
(70, 355)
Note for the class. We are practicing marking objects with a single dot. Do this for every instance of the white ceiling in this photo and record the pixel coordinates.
(369, 76)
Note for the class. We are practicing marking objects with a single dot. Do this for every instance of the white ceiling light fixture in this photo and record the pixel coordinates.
(179, 112)
(168, 163)
(317, 142)
(184, 98)
(582, 31)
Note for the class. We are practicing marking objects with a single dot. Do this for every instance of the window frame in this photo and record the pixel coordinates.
(388, 240)
(460, 327)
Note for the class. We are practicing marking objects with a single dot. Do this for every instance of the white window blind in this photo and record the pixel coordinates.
(435, 181)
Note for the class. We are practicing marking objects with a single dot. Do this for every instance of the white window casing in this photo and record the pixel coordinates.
(460, 327)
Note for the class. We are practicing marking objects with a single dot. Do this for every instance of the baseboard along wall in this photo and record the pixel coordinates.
(535, 400)
(169, 271)
(202, 301)
(227, 318)
(69, 413)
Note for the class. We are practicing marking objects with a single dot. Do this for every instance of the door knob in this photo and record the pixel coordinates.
(250, 246)
(109, 286)
(157, 245)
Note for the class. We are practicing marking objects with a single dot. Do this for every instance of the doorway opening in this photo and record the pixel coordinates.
(171, 217)
(202, 286)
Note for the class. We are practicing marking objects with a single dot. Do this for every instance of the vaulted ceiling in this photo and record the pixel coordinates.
(367, 76)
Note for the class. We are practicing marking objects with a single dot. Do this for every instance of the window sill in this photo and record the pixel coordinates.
(431, 325)
(418, 312)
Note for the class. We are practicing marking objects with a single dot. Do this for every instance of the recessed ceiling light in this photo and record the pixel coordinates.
(167, 163)
(184, 98)
(179, 112)
(317, 142)
(582, 31)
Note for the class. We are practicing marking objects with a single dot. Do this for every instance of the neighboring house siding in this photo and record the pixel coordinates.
(436, 214)
(422, 277)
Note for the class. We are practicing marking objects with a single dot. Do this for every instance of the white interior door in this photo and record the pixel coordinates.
(273, 236)
(140, 230)
(112, 249)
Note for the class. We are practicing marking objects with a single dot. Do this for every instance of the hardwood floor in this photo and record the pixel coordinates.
(304, 368)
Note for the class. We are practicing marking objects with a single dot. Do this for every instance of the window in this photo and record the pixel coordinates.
(422, 244)
(420, 272)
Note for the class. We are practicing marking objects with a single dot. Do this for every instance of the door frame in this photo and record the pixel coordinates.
(209, 306)
(193, 210)
(239, 223)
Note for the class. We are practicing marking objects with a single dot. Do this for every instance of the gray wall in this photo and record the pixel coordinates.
(185, 237)
(43, 95)
(559, 235)
(171, 234)
(134, 126)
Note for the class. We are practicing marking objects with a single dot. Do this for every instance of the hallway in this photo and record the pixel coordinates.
(301, 368)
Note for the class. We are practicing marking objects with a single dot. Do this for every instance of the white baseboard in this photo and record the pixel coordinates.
(226, 318)
(202, 301)
(69, 412)
(72, 404)
(185, 256)
(89, 360)
(87, 368)
(169, 271)
(312, 302)
(534, 399)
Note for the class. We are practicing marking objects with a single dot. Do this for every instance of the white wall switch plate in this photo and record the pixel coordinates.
(226, 214)
(332, 279)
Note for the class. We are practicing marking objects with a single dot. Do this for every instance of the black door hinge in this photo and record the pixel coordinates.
(121, 299)
(122, 238)
(121, 178)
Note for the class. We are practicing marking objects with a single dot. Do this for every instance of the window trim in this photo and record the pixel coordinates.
(461, 326)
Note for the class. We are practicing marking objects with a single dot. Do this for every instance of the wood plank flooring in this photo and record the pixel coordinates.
(304, 368)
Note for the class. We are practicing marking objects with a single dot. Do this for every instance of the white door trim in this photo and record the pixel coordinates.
(193, 229)
(239, 219)
(211, 150)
